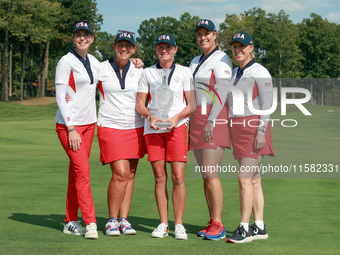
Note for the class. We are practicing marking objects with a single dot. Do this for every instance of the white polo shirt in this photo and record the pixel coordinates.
(117, 107)
(213, 74)
(256, 78)
(71, 72)
(179, 83)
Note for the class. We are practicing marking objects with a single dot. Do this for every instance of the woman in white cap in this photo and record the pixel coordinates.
(76, 76)
(168, 144)
(212, 74)
(120, 130)
(252, 140)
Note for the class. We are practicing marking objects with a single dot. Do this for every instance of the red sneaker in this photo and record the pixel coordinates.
(204, 231)
(215, 232)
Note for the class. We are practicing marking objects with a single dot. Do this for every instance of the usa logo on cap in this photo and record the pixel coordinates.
(163, 37)
(244, 38)
(166, 38)
(208, 24)
(82, 24)
(239, 35)
(205, 22)
(125, 35)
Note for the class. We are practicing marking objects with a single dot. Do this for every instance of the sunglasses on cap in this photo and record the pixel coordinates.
(82, 20)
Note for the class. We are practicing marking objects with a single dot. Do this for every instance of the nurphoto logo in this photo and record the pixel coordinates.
(238, 104)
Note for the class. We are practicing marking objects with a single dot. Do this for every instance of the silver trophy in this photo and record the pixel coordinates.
(164, 98)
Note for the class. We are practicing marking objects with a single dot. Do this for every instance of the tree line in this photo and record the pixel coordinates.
(34, 34)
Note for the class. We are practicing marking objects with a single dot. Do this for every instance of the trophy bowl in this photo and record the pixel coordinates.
(164, 98)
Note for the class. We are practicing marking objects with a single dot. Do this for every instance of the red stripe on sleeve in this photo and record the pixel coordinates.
(212, 86)
(255, 91)
(212, 81)
(149, 95)
(101, 90)
(71, 82)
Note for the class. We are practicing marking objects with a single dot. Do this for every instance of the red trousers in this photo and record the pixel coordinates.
(79, 194)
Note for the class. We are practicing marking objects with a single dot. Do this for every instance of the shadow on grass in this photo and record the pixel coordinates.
(148, 225)
(142, 224)
(55, 221)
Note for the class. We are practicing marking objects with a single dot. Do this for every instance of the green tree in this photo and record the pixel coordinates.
(253, 22)
(35, 28)
(34, 23)
(275, 40)
(103, 46)
(148, 31)
(231, 25)
(256, 21)
(334, 56)
(186, 40)
(5, 14)
(319, 42)
(79, 10)
(282, 57)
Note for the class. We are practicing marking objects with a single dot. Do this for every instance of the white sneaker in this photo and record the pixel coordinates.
(112, 228)
(125, 227)
(161, 231)
(91, 231)
(74, 228)
(180, 232)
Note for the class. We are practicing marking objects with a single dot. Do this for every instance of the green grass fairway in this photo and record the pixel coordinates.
(301, 210)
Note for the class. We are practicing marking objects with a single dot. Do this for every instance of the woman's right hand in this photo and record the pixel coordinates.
(67, 98)
(137, 62)
(74, 140)
(153, 120)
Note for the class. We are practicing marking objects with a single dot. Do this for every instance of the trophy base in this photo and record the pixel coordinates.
(163, 125)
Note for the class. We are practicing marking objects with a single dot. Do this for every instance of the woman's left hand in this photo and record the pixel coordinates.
(74, 140)
(208, 131)
(260, 141)
(137, 62)
(173, 120)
